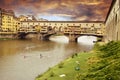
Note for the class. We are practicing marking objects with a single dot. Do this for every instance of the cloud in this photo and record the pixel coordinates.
(70, 9)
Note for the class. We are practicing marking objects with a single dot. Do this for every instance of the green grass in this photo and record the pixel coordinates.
(67, 67)
(108, 65)
(103, 63)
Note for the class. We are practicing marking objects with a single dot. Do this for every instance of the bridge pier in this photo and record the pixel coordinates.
(72, 37)
(40, 37)
(43, 37)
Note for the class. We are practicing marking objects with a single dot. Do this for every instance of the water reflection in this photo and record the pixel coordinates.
(60, 39)
(21, 60)
(87, 40)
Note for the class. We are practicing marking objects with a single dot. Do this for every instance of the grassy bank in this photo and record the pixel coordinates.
(68, 69)
(102, 63)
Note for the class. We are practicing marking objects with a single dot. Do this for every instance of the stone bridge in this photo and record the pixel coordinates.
(72, 32)
(43, 34)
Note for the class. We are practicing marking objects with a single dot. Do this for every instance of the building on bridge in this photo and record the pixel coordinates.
(71, 29)
(61, 25)
(27, 18)
(112, 22)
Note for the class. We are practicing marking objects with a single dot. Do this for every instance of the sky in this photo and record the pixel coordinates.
(60, 10)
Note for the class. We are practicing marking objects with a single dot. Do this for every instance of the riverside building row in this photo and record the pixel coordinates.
(9, 22)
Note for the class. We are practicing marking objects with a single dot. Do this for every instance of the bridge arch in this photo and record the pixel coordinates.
(61, 28)
(74, 38)
(55, 28)
(24, 35)
(87, 39)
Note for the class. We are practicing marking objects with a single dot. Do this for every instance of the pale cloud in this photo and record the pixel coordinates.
(70, 9)
(82, 18)
(64, 15)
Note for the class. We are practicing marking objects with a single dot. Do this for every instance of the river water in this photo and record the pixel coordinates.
(25, 59)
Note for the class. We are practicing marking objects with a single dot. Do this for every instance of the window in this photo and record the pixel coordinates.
(2, 16)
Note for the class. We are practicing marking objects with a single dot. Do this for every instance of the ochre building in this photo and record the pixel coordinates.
(10, 23)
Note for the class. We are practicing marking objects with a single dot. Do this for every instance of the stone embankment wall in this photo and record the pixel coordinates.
(112, 22)
(7, 36)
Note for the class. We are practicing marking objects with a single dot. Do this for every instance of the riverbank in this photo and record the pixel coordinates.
(8, 39)
(99, 64)
(68, 69)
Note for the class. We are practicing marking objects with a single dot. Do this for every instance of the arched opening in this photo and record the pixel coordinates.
(59, 39)
(55, 28)
(88, 40)
(60, 29)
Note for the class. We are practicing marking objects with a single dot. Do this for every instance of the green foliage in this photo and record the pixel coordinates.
(61, 65)
(52, 74)
(67, 67)
(96, 46)
(111, 49)
(108, 68)
(104, 64)
(74, 55)
(39, 76)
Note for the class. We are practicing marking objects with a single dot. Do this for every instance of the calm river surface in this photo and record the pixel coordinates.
(25, 59)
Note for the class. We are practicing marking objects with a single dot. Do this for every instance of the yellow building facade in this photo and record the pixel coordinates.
(9, 22)
(16, 24)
